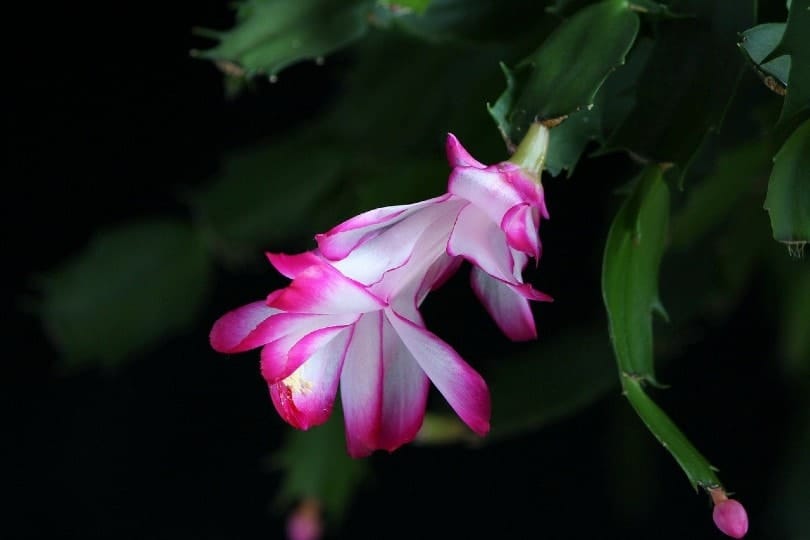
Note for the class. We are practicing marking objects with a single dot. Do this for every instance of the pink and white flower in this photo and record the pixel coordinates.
(350, 316)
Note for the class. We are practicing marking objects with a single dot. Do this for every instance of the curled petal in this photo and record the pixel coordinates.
(305, 398)
(458, 156)
(292, 265)
(520, 224)
(486, 189)
(461, 386)
(322, 289)
(482, 242)
(338, 242)
(243, 328)
(530, 190)
(361, 386)
(277, 358)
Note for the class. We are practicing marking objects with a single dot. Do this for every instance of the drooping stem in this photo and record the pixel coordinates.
(531, 152)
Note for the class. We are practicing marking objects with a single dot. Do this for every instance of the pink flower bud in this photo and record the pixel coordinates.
(305, 522)
(730, 517)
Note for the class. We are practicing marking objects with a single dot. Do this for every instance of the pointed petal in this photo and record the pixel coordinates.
(243, 328)
(511, 311)
(361, 386)
(461, 386)
(305, 398)
(458, 156)
(277, 360)
(322, 289)
(481, 242)
(292, 265)
(520, 224)
(405, 392)
(338, 242)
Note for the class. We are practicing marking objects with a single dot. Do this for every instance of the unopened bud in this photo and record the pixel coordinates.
(305, 522)
(729, 515)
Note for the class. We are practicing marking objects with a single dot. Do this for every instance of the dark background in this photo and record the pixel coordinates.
(109, 119)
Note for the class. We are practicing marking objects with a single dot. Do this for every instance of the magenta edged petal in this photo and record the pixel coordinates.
(482, 242)
(305, 398)
(520, 224)
(322, 289)
(461, 386)
(486, 189)
(405, 392)
(292, 265)
(338, 242)
(511, 311)
(291, 328)
(529, 190)
(361, 386)
(242, 329)
(393, 247)
(458, 156)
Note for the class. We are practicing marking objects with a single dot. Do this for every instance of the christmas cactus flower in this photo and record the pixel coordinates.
(327, 329)
(350, 317)
(497, 230)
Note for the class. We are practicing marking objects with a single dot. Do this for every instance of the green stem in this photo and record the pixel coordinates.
(697, 468)
(531, 152)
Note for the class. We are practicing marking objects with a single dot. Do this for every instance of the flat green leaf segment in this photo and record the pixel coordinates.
(130, 288)
(316, 466)
(759, 42)
(565, 73)
(670, 120)
(794, 43)
(270, 35)
(788, 200)
(632, 258)
(633, 253)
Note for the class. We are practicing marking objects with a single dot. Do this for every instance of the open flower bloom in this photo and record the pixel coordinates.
(327, 329)
(350, 316)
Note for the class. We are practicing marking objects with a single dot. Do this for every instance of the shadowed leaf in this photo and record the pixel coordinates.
(129, 288)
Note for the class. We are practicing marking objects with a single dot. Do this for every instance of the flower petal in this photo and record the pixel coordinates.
(511, 311)
(393, 246)
(361, 386)
(520, 224)
(243, 328)
(431, 245)
(277, 358)
(405, 392)
(339, 241)
(481, 242)
(461, 386)
(486, 189)
(458, 156)
(322, 289)
(305, 398)
(292, 265)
